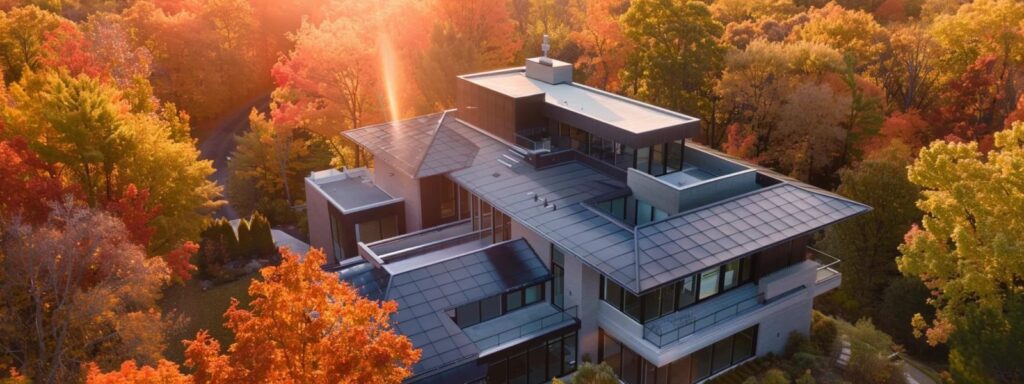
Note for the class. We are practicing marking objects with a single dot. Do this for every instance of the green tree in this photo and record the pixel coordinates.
(22, 33)
(969, 251)
(80, 124)
(255, 181)
(867, 244)
(677, 54)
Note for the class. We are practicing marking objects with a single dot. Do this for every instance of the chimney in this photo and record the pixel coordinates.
(547, 69)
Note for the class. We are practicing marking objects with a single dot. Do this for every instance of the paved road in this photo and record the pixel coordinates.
(221, 142)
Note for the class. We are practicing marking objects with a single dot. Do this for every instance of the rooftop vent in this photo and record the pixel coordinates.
(546, 69)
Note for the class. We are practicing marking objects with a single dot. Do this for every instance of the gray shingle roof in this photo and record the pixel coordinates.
(692, 241)
(636, 258)
(616, 251)
(420, 146)
(423, 295)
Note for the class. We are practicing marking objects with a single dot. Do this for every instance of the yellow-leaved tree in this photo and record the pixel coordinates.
(969, 250)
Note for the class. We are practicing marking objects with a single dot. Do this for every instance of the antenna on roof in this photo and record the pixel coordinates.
(545, 46)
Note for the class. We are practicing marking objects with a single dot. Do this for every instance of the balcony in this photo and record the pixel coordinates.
(719, 309)
(827, 275)
(412, 250)
(519, 326)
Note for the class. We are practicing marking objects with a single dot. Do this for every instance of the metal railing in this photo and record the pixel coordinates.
(828, 265)
(533, 326)
(662, 333)
(531, 144)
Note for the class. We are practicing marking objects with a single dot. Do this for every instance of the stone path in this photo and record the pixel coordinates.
(844, 353)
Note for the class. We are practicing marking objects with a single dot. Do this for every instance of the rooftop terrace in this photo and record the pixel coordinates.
(616, 110)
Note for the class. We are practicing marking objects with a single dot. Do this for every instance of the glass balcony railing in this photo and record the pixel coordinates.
(828, 265)
(501, 331)
(675, 327)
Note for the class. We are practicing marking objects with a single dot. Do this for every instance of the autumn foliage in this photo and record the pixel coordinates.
(305, 325)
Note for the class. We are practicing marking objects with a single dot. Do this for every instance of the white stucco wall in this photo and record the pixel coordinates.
(400, 185)
(318, 219)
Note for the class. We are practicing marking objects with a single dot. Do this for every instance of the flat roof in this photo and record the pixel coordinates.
(352, 192)
(621, 112)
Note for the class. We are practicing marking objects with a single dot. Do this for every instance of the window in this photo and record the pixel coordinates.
(533, 294)
(553, 357)
(558, 277)
(513, 301)
(644, 213)
(743, 345)
(709, 283)
(668, 300)
(464, 212)
(658, 159)
(722, 355)
(337, 235)
(497, 372)
(631, 305)
(373, 230)
(579, 139)
(568, 353)
(702, 364)
(467, 315)
(674, 157)
(730, 275)
(449, 198)
(624, 156)
(687, 292)
(517, 366)
(538, 364)
(490, 308)
(643, 159)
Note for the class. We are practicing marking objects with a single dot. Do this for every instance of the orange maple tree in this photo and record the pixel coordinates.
(165, 372)
(303, 325)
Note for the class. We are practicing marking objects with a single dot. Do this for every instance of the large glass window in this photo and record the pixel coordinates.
(538, 364)
(449, 198)
(624, 156)
(658, 159)
(558, 277)
(553, 357)
(374, 230)
(730, 275)
(643, 159)
(674, 157)
(468, 314)
(533, 294)
(687, 292)
(490, 308)
(722, 355)
(517, 369)
(709, 282)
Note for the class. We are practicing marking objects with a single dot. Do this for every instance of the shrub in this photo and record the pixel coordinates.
(806, 378)
(775, 376)
(262, 239)
(217, 246)
(869, 367)
(588, 373)
(823, 333)
(797, 342)
(246, 248)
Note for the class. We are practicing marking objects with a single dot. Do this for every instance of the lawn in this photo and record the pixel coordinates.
(201, 310)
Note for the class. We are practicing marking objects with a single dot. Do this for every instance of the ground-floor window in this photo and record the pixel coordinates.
(631, 368)
(537, 363)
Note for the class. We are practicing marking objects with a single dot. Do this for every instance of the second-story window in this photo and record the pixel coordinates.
(491, 307)
(679, 295)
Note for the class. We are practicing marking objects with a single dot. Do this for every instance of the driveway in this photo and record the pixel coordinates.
(221, 142)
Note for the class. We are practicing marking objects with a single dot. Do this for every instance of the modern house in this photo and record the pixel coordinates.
(543, 223)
